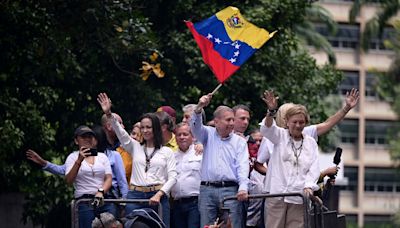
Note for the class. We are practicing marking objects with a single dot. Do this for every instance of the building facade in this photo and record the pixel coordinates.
(372, 195)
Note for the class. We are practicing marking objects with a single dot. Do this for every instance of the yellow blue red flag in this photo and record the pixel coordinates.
(226, 40)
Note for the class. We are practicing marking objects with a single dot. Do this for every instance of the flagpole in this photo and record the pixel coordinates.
(216, 89)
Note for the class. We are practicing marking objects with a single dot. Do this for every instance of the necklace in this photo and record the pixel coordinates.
(296, 151)
(148, 158)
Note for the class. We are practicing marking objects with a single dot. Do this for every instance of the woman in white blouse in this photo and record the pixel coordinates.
(153, 166)
(294, 164)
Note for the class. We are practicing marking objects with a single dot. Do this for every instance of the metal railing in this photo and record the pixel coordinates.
(307, 201)
(75, 209)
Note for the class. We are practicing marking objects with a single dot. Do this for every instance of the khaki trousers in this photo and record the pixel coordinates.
(278, 214)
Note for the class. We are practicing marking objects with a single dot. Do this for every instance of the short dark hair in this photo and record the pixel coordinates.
(156, 126)
(240, 106)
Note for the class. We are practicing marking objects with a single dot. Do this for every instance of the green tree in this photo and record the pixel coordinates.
(309, 35)
(58, 55)
(375, 26)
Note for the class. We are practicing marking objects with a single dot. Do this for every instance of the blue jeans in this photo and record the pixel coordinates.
(132, 194)
(87, 213)
(186, 214)
(209, 205)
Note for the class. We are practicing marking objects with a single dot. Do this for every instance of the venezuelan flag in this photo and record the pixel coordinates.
(226, 40)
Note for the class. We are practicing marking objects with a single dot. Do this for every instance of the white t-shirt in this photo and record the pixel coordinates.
(90, 177)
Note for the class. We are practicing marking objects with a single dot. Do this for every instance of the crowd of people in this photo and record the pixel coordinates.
(190, 167)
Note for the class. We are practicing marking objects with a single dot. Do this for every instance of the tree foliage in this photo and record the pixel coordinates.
(374, 26)
(58, 55)
(388, 87)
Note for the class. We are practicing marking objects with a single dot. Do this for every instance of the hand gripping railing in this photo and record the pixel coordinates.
(306, 202)
(75, 209)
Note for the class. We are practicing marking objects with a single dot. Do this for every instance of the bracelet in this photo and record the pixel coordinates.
(78, 163)
(272, 112)
(345, 110)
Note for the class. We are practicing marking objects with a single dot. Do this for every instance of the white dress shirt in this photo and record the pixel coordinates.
(162, 166)
(284, 175)
(188, 166)
(224, 159)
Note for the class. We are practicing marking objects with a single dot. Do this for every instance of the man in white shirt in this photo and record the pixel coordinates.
(225, 166)
(187, 188)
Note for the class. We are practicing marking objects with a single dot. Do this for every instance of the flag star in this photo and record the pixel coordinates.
(237, 46)
(209, 36)
(236, 54)
(217, 40)
(232, 60)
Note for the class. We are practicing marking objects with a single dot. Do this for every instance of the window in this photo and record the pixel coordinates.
(376, 43)
(370, 87)
(350, 80)
(378, 221)
(352, 174)
(349, 131)
(347, 36)
(376, 132)
(382, 180)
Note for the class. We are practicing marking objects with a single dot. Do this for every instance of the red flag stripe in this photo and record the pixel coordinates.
(221, 67)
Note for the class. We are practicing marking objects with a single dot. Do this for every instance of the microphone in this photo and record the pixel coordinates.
(338, 154)
(336, 160)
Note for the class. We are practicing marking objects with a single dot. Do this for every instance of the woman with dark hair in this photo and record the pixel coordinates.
(153, 167)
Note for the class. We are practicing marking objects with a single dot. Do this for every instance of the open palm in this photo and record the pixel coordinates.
(104, 102)
(352, 98)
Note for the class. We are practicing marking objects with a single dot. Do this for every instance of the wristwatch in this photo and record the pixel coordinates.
(101, 190)
(272, 112)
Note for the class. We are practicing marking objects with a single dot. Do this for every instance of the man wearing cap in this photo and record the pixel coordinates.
(167, 128)
(225, 165)
(170, 111)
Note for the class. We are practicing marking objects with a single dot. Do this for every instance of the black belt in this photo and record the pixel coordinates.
(220, 184)
(186, 199)
(85, 196)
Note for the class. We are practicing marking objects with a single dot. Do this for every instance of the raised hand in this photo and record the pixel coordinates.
(203, 102)
(270, 100)
(33, 156)
(352, 98)
(105, 103)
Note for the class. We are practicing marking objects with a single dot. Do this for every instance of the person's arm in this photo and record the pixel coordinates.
(172, 173)
(120, 174)
(123, 136)
(263, 156)
(73, 172)
(46, 165)
(272, 104)
(331, 171)
(242, 162)
(55, 169)
(351, 101)
(196, 122)
(259, 167)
